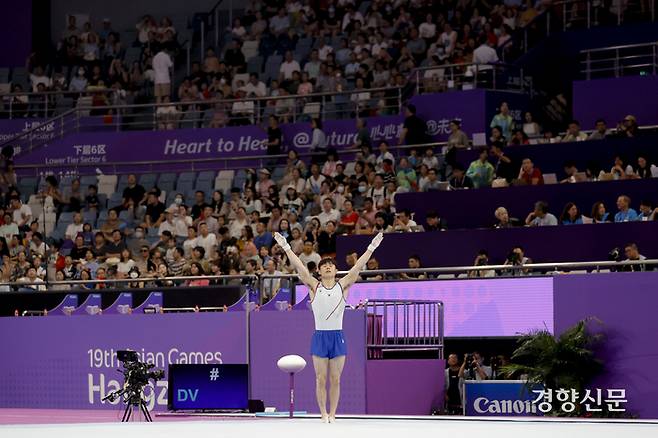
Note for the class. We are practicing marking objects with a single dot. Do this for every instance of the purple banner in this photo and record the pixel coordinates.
(70, 362)
(248, 141)
(626, 304)
(472, 308)
(439, 109)
(614, 98)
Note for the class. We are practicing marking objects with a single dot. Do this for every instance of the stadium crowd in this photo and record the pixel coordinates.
(278, 49)
(312, 203)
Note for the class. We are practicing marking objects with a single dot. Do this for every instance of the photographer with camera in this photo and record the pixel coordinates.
(473, 367)
(482, 259)
(517, 257)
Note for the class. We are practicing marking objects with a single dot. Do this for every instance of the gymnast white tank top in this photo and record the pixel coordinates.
(328, 307)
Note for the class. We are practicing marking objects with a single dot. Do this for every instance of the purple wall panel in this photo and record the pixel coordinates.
(70, 362)
(626, 303)
(276, 334)
(473, 308)
(16, 32)
(614, 98)
(421, 392)
(459, 247)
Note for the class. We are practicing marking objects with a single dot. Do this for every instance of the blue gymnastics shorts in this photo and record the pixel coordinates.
(328, 344)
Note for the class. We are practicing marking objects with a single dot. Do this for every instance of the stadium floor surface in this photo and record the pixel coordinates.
(21, 423)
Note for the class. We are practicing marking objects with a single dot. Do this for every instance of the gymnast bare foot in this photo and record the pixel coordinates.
(324, 418)
(332, 418)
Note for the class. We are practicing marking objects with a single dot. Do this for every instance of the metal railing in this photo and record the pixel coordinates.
(216, 113)
(616, 61)
(47, 104)
(499, 76)
(404, 325)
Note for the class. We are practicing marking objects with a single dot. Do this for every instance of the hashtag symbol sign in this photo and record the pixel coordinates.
(214, 374)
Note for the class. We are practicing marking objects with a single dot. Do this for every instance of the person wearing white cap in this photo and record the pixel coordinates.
(328, 300)
(264, 183)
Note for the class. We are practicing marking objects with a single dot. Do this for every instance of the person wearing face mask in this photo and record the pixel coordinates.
(178, 201)
(359, 195)
(79, 82)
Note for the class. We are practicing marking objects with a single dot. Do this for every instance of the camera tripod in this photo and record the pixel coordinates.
(133, 400)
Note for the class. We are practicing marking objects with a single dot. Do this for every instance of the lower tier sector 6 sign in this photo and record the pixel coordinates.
(208, 387)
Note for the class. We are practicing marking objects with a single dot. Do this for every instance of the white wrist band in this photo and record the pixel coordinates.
(371, 248)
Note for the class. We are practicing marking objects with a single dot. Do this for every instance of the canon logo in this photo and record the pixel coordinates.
(483, 405)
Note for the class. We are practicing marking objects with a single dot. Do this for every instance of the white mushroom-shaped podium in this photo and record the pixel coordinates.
(291, 364)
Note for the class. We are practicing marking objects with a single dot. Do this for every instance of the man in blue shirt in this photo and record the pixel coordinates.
(625, 214)
(263, 237)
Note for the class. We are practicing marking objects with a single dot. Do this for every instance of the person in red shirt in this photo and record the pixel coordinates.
(530, 174)
(349, 218)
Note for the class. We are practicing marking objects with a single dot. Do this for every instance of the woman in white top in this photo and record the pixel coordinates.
(126, 263)
(530, 127)
(328, 298)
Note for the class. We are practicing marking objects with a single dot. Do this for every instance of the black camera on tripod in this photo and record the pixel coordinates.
(136, 376)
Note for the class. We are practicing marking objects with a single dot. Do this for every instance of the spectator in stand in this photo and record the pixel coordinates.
(482, 259)
(644, 168)
(21, 213)
(288, 67)
(264, 183)
(413, 128)
(433, 222)
(504, 167)
(647, 212)
(459, 178)
(403, 222)
(530, 127)
(263, 237)
(116, 245)
(571, 215)
(457, 138)
(504, 120)
(74, 228)
(348, 219)
(162, 65)
(406, 175)
(155, 211)
(621, 170)
(600, 130)
(432, 183)
(196, 270)
(540, 217)
(504, 221)
(574, 133)
(628, 128)
(206, 240)
(318, 137)
(481, 171)
(599, 213)
(133, 195)
(625, 213)
(413, 263)
(633, 254)
(529, 174)
(308, 254)
(329, 213)
(383, 155)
